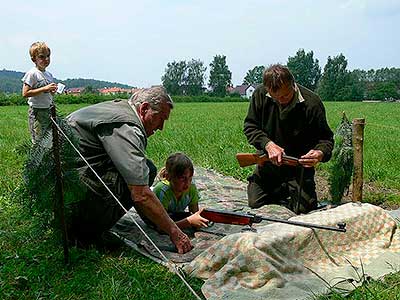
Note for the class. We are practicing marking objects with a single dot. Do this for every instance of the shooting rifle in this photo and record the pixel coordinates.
(236, 218)
(248, 159)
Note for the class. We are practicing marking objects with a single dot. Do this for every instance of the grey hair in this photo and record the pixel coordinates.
(155, 96)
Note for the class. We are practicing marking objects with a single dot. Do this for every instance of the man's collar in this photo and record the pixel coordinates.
(300, 97)
(135, 111)
(297, 94)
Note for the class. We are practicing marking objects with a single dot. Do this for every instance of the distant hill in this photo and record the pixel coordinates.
(10, 82)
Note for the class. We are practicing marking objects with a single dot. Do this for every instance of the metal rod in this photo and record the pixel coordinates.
(300, 188)
(340, 226)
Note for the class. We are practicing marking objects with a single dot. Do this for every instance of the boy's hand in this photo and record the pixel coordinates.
(51, 88)
(196, 220)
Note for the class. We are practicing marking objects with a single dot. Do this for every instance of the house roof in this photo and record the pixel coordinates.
(114, 90)
(75, 90)
(241, 89)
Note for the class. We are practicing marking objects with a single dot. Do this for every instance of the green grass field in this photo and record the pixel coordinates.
(31, 265)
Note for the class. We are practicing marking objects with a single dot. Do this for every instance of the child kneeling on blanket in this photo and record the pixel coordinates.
(177, 192)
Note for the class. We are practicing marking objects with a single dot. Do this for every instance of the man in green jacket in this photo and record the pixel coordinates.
(113, 139)
(286, 118)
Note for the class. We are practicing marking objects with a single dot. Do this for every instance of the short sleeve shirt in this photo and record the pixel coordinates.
(37, 79)
(129, 156)
(168, 200)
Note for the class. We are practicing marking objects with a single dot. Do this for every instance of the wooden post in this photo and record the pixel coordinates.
(358, 145)
(59, 205)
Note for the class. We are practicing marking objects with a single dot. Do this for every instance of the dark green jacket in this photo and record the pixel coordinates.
(93, 122)
(298, 128)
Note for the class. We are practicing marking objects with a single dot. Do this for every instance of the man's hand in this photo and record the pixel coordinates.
(311, 158)
(146, 203)
(274, 153)
(181, 241)
(196, 220)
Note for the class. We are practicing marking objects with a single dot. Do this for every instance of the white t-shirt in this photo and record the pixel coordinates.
(36, 79)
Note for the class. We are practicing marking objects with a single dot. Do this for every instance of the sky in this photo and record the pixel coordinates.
(131, 41)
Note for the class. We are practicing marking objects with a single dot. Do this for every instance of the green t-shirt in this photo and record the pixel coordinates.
(167, 197)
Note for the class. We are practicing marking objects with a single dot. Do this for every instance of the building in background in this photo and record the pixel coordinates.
(244, 90)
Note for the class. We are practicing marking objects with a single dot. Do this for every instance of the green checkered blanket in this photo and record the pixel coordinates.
(279, 261)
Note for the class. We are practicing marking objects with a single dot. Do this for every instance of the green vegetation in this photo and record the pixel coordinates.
(197, 129)
(341, 166)
(254, 76)
(336, 83)
(184, 77)
(305, 69)
(92, 98)
(10, 82)
(31, 265)
(382, 133)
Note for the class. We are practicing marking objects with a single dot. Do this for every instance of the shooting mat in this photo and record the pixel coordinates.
(279, 261)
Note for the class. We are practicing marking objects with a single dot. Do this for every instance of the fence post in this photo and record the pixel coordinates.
(59, 201)
(358, 146)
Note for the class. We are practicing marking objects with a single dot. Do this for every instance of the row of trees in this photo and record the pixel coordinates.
(187, 77)
(335, 83)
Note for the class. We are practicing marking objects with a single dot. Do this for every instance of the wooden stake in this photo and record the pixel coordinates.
(358, 146)
(59, 205)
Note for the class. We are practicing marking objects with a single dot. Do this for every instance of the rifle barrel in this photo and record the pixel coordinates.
(341, 227)
(240, 218)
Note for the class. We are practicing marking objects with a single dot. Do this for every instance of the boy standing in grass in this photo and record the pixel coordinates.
(39, 87)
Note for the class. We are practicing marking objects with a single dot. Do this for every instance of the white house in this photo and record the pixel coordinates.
(244, 90)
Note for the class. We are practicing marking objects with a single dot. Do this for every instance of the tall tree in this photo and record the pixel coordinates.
(254, 76)
(194, 80)
(220, 76)
(305, 68)
(184, 78)
(380, 84)
(383, 91)
(174, 78)
(334, 79)
(354, 89)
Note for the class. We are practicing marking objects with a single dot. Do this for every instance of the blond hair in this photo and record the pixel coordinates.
(37, 48)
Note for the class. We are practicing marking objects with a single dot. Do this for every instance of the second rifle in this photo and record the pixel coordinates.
(248, 159)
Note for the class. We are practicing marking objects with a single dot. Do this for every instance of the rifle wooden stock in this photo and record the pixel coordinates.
(248, 159)
(236, 218)
(220, 216)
